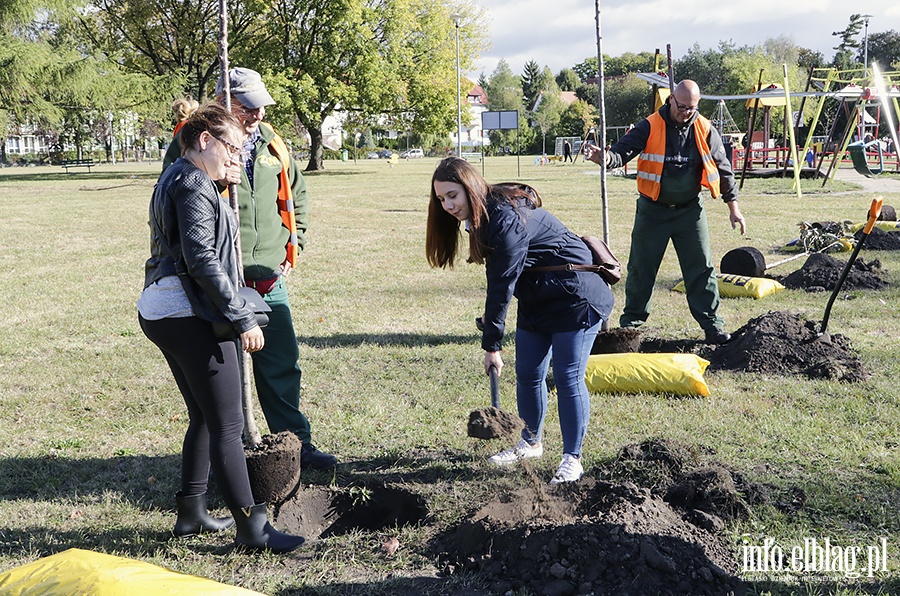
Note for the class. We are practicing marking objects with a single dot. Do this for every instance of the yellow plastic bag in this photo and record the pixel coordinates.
(77, 571)
(740, 286)
(680, 374)
(884, 226)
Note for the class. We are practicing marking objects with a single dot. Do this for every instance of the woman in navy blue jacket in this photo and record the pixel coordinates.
(559, 313)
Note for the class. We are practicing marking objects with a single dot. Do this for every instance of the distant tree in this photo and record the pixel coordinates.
(628, 62)
(588, 92)
(847, 48)
(707, 69)
(587, 69)
(626, 100)
(884, 48)
(504, 90)
(550, 107)
(577, 119)
(531, 83)
(567, 80)
(168, 37)
(807, 58)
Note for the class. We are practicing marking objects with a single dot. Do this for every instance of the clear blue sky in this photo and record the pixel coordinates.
(561, 33)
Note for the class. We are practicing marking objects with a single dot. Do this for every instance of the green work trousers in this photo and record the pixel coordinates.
(276, 370)
(686, 227)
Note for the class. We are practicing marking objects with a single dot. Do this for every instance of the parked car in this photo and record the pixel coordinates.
(373, 155)
(385, 153)
(412, 154)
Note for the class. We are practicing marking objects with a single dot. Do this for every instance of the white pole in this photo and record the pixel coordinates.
(456, 18)
(602, 124)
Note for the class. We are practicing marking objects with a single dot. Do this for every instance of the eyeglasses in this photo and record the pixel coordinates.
(685, 109)
(234, 150)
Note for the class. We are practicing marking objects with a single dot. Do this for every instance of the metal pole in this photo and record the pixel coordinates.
(456, 18)
(602, 124)
(748, 149)
(862, 121)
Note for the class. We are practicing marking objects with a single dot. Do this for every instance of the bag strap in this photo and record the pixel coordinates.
(566, 267)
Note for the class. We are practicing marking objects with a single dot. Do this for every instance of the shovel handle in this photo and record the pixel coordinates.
(874, 212)
(495, 387)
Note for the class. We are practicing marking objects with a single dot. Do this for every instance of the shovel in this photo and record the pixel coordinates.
(493, 423)
(874, 212)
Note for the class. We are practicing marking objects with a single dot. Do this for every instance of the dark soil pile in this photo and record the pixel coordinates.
(784, 343)
(493, 423)
(590, 537)
(878, 239)
(822, 272)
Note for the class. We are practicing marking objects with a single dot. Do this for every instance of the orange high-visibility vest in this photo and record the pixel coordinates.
(285, 199)
(652, 159)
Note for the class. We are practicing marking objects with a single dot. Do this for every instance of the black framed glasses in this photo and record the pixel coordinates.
(684, 108)
(234, 150)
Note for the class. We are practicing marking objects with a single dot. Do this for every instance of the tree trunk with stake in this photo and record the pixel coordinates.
(252, 437)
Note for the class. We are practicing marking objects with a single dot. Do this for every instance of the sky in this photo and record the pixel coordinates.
(562, 33)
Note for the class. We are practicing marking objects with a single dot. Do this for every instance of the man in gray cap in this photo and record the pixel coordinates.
(273, 208)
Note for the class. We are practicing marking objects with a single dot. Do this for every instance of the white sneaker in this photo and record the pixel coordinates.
(569, 470)
(522, 450)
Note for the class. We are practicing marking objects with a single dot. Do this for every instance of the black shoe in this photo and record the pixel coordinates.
(718, 337)
(310, 457)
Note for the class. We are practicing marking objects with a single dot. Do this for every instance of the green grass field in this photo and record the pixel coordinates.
(91, 421)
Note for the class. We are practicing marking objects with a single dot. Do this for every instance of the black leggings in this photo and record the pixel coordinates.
(207, 372)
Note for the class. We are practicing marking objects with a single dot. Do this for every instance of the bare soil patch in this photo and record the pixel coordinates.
(650, 523)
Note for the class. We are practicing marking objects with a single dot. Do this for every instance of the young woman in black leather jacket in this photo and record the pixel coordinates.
(559, 312)
(191, 281)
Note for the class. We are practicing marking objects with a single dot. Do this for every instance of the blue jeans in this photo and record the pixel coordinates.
(570, 351)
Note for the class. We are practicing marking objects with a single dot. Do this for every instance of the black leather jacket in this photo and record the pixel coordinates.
(192, 236)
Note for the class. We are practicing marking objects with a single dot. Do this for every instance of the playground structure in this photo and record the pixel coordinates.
(858, 92)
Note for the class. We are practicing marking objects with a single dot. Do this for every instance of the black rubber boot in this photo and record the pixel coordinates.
(193, 517)
(254, 532)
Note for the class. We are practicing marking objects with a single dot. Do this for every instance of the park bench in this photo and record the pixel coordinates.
(78, 163)
(475, 156)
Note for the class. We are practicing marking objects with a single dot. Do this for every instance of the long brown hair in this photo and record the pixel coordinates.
(442, 230)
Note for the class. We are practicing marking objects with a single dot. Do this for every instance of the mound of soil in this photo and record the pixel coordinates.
(589, 537)
(784, 343)
(878, 239)
(822, 272)
(493, 423)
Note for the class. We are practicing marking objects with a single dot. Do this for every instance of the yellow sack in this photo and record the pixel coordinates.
(739, 286)
(77, 571)
(884, 226)
(681, 374)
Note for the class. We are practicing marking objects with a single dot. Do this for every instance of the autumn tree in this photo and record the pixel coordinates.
(170, 38)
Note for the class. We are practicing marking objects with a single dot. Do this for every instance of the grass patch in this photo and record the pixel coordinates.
(92, 423)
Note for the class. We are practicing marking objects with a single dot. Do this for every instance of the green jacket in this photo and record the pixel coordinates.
(263, 236)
